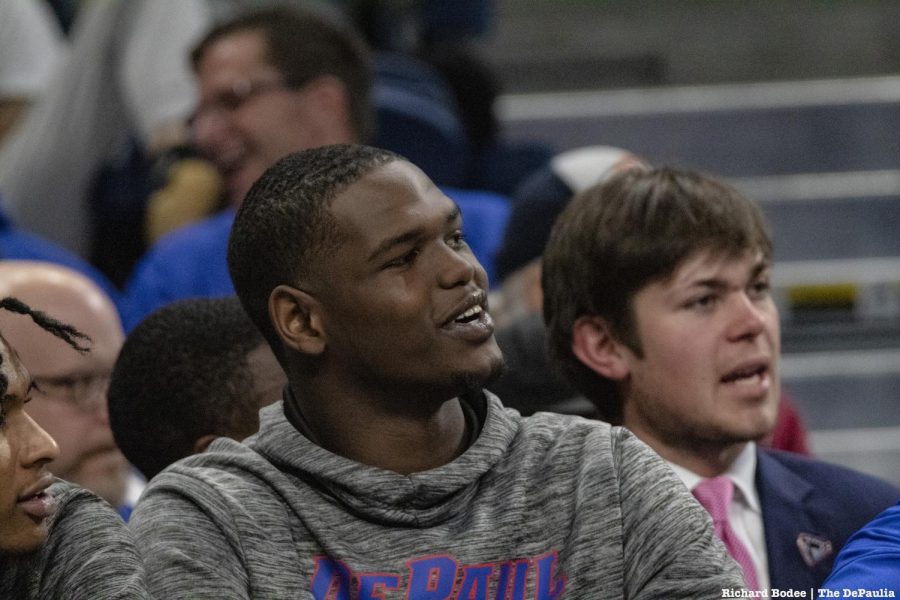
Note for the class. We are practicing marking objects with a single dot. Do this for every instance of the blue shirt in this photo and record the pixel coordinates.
(16, 244)
(871, 558)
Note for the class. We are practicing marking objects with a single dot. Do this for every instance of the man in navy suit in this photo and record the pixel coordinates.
(658, 307)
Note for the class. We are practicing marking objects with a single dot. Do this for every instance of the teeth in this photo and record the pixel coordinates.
(748, 378)
(469, 313)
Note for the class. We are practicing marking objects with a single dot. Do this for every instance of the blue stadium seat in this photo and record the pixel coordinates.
(484, 219)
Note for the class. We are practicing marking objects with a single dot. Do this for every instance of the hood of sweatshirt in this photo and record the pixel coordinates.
(420, 499)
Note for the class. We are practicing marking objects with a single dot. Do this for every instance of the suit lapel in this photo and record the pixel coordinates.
(797, 535)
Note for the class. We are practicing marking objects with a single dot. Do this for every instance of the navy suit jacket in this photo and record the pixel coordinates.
(802, 497)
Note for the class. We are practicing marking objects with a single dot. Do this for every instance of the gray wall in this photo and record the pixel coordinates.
(569, 44)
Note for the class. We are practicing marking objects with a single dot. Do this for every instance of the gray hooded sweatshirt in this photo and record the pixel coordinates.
(543, 507)
(89, 555)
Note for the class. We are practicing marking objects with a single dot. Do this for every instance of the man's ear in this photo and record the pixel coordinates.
(594, 344)
(326, 98)
(297, 319)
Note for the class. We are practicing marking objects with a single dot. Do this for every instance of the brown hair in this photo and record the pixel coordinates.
(302, 47)
(617, 237)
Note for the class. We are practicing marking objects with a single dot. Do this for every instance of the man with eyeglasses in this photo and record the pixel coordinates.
(274, 82)
(269, 82)
(71, 386)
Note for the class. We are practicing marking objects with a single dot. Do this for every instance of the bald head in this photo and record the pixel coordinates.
(71, 403)
(69, 297)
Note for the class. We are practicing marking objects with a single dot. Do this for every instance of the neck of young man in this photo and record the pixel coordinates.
(404, 435)
(705, 458)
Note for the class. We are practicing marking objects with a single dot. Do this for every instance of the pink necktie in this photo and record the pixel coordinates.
(715, 496)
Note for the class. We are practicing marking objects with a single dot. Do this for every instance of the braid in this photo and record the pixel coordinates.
(66, 333)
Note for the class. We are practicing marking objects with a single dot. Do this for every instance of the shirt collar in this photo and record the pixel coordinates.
(742, 473)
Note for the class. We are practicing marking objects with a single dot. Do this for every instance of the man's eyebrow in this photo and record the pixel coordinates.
(454, 214)
(410, 236)
(761, 266)
(714, 283)
(388, 244)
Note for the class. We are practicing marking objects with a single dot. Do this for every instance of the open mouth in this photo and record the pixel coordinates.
(747, 375)
(230, 170)
(33, 496)
(470, 320)
(469, 315)
(40, 505)
(470, 308)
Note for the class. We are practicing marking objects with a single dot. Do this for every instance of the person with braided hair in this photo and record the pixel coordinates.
(72, 386)
(56, 540)
(67, 333)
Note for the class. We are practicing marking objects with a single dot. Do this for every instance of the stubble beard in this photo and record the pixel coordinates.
(673, 430)
(470, 382)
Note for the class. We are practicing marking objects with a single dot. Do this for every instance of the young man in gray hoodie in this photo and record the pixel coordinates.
(387, 471)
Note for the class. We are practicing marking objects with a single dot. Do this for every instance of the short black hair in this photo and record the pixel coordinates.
(285, 225)
(615, 238)
(304, 46)
(65, 332)
(182, 374)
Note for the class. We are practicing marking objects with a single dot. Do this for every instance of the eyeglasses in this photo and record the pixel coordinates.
(230, 100)
(81, 391)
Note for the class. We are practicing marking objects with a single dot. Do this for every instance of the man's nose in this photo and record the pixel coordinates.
(209, 131)
(748, 318)
(40, 447)
(456, 268)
